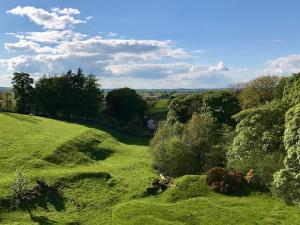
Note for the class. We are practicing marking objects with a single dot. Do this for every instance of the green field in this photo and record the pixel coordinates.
(159, 109)
(104, 175)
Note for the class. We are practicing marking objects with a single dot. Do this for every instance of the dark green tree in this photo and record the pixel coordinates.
(22, 87)
(124, 105)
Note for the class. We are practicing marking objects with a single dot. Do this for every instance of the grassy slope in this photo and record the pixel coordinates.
(160, 109)
(104, 175)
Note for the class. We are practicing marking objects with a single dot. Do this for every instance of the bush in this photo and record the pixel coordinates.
(216, 174)
(287, 180)
(258, 143)
(180, 149)
(223, 181)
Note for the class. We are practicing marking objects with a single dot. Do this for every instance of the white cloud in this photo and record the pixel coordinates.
(50, 36)
(284, 65)
(279, 41)
(22, 45)
(48, 20)
(119, 62)
(66, 11)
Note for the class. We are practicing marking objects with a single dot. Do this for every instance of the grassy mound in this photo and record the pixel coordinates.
(83, 149)
(187, 187)
(104, 174)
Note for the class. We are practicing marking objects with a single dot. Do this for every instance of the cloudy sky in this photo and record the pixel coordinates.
(151, 44)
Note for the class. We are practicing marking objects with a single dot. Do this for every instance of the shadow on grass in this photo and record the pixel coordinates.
(116, 133)
(42, 220)
(22, 118)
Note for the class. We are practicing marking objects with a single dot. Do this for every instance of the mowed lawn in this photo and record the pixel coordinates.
(104, 174)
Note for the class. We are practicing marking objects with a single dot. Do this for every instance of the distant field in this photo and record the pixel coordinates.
(105, 174)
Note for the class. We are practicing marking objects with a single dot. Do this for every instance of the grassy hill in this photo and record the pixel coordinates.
(104, 175)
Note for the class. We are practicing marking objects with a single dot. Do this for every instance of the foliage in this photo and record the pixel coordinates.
(291, 90)
(20, 185)
(125, 106)
(180, 149)
(223, 181)
(287, 180)
(72, 95)
(7, 101)
(258, 143)
(259, 91)
(222, 104)
(182, 107)
(22, 87)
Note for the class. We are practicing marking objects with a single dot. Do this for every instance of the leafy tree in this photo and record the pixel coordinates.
(180, 149)
(182, 108)
(7, 101)
(291, 90)
(124, 105)
(92, 97)
(22, 87)
(287, 180)
(72, 95)
(258, 143)
(259, 91)
(223, 105)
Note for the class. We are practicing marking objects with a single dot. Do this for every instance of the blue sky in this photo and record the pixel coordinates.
(151, 44)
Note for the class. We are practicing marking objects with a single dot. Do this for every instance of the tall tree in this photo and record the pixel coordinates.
(22, 87)
(259, 91)
(125, 104)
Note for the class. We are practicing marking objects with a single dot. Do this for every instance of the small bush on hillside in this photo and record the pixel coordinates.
(28, 198)
(159, 185)
(223, 181)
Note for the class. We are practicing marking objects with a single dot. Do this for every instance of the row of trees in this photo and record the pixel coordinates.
(78, 96)
(72, 95)
(256, 127)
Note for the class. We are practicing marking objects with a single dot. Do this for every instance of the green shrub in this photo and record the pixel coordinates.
(179, 149)
(287, 180)
(258, 143)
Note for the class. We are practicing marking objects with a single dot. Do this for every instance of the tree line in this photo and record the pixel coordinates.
(77, 96)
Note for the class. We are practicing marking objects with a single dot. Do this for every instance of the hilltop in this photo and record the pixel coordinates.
(104, 175)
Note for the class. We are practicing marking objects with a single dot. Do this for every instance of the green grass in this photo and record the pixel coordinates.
(104, 175)
(160, 109)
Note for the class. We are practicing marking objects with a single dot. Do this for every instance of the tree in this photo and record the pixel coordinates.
(124, 105)
(182, 107)
(22, 87)
(92, 97)
(287, 180)
(290, 89)
(7, 101)
(223, 105)
(72, 95)
(258, 143)
(259, 91)
(179, 149)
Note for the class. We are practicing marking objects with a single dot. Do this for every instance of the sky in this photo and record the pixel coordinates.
(151, 44)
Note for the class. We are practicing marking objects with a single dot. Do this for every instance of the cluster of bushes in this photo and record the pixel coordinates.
(255, 128)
